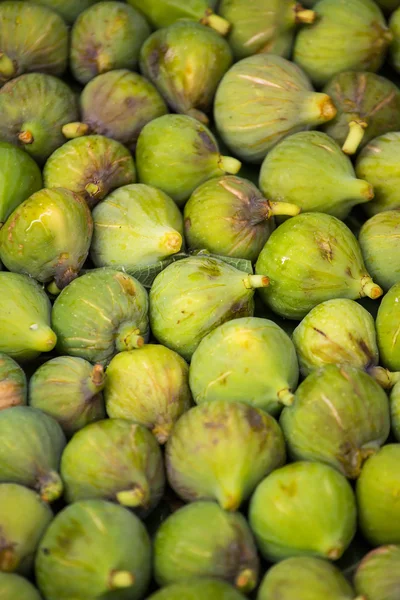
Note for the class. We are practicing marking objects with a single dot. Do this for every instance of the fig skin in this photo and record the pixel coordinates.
(69, 389)
(394, 25)
(378, 574)
(395, 410)
(69, 10)
(309, 259)
(303, 509)
(198, 589)
(310, 170)
(249, 360)
(105, 37)
(13, 385)
(378, 490)
(15, 586)
(186, 62)
(387, 324)
(261, 100)
(94, 548)
(221, 450)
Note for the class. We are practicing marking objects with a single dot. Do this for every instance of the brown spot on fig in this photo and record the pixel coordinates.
(188, 223)
(254, 418)
(290, 489)
(207, 142)
(320, 332)
(126, 283)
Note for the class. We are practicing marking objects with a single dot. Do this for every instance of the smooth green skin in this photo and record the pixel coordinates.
(247, 360)
(261, 100)
(136, 226)
(68, 9)
(378, 497)
(48, 236)
(162, 13)
(13, 386)
(40, 44)
(24, 317)
(387, 329)
(176, 153)
(394, 24)
(91, 314)
(337, 331)
(67, 389)
(198, 589)
(307, 578)
(14, 586)
(347, 35)
(221, 450)
(106, 36)
(90, 160)
(24, 519)
(118, 104)
(378, 575)
(309, 259)
(148, 386)
(395, 410)
(186, 62)
(303, 509)
(309, 169)
(84, 545)
(340, 417)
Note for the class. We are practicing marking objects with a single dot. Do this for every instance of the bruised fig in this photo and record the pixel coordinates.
(309, 259)
(69, 389)
(99, 314)
(367, 105)
(91, 166)
(387, 327)
(177, 153)
(13, 386)
(221, 450)
(14, 586)
(68, 9)
(198, 589)
(148, 386)
(310, 170)
(395, 410)
(229, 216)
(106, 36)
(378, 575)
(348, 414)
(222, 291)
(186, 62)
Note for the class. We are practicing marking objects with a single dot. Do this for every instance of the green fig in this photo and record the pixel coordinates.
(24, 325)
(186, 62)
(14, 586)
(148, 386)
(69, 389)
(69, 10)
(99, 314)
(48, 237)
(310, 170)
(105, 37)
(94, 549)
(312, 258)
(198, 589)
(177, 153)
(367, 105)
(247, 360)
(395, 410)
(230, 217)
(378, 575)
(394, 24)
(23, 521)
(13, 385)
(191, 297)
(378, 493)
(261, 100)
(348, 35)
(136, 226)
(303, 509)
(91, 166)
(387, 329)
(221, 450)
(186, 547)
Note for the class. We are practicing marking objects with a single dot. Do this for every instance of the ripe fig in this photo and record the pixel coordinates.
(198, 589)
(14, 586)
(13, 386)
(395, 410)
(68, 9)
(394, 24)
(378, 575)
(387, 327)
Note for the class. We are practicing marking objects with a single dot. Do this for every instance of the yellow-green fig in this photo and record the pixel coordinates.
(198, 589)
(387, 327)
(13, 385)
(69, 10)
(395, 410)
(14, 586)
(378, 575)
(394, 24)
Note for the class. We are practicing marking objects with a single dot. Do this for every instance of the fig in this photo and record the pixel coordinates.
(14, 586)
(310, 170)
(13, 386)
(303, 509)
(395, 46)
(186, 61)
(309, 259)
(198, 589)
(191, 297)
(249, 360)
(378, 491)
(91, 166)
(136, 226)
(261, 100)
(105, 37)
(387, 328)
(186, 547)
(148, 386)
(94, 549)
(368, 105)
(177, 153)
(68, 9)
(221, 450)
(99, 314)
(48, 237)
(348, 35)
(25, 326)
(69, 389)
(230, 217)
(118, 104)
(395, 410)
(24, 519)
(378, 575)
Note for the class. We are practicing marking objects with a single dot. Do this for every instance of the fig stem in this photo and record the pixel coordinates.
(75, 130)
(162, 432)
(384, 377)
(128, 338)
(230, 165)
(51, 487)
(198, 114)
(319, 108)
(121, 579)
(246, 581)
(284, 208)
(335, 553)
(286, 397)
(252, 282)
(7, 67)
(370, 289)
(134, 497)
(98, 377)
(93, 189)
(171, 242)
(26, 137)
(43, 338)
(230, 502)
(304, 15)
(53, 288)
(354, 137)
(103, 62)
(216, 22)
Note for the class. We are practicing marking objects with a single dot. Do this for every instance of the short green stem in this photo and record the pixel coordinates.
(286, 397)
(284, 208)
(230, 165)
(354, 137)
(198, 115)
(162, 432)
(370, 289)
(384, 377)
(7, 67)
(53, 288)
(75, 130)
(128, 338)
(121, 579)
(26, 137)
(246, 581)
(98, 377)
(170, 243)
(335, 553)
(137, 496)
(50, 487)
(216, 22)
(252, 282)
(303, 15)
